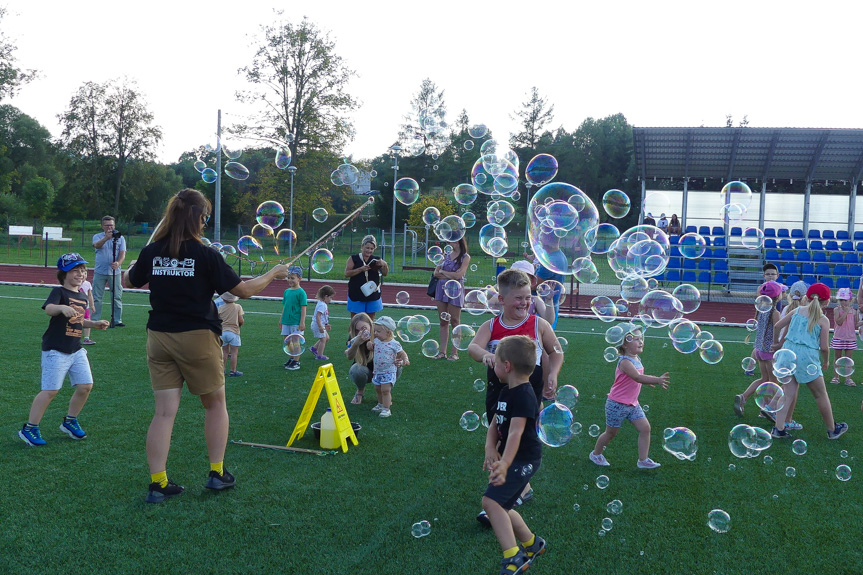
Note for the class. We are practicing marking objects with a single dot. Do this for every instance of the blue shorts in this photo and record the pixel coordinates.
(230, 338)
(517, 477)
(365, 306)
(290, 330)
(616, 413)
(384, 378)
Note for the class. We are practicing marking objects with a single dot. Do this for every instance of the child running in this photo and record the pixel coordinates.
(622, 402)
(231, 314)
(62, 353)
(763, 346)
(321, 321)
(845, 333)
(807, 334)
(294, 304)
(513, 453)
(388, 357)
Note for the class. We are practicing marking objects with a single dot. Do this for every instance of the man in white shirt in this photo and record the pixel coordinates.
(110, 253)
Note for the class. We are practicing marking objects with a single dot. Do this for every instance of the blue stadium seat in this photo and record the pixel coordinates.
(691, 230)
(850, 258)
(673, 263)
(807, 268)
(771, 255)
(847, 246)
(804, 257)
(831, 245)
(840, 270)
(843, 282)
(770, 243)
(688, 276)
(828, 235)
(704, 230)
(689, 264)
(783, 233)
(836, 258)
(790, 268)
(810, 280)
(855, 284)
(720, 278)
(785, 244)
(704, 277)
(790, 280)
(708, 253)
(720, 253)
(718, 231)
(736, 231)
(719, 241)
(797, 233)
(720, 266)
(855, 270)
(787, 256)
(816, 245)
(858, 236)
(842, 235)
(819, 257)
(675, 252)
(814, 234)
(800, 245)
(707, 240)
(822, 270)
(828, 281)
(859, 246)
(771, 233)
(672, 276)
(673, 240)
(704, 264)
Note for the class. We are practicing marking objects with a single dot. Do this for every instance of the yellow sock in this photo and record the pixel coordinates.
(510, 552)
(161, 478)
(529, 542)
(218, 467)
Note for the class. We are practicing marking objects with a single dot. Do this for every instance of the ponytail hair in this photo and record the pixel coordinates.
(184, 219)
(815, 312)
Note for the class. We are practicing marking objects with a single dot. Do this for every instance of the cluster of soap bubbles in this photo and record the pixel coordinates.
(430, 133)
(421, 529)
(681, 442)
(345, 175)
(469, 421)
(232, 150)
(746, 441)
(413, 328)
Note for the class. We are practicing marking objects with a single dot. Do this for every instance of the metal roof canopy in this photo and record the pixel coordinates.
(749, 153)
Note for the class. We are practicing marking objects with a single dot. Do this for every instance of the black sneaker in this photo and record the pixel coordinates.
(483, 519)
(780, 434)
(839, 430)
(158, 494)
(219, 482)
(293, 365)
(119, 324)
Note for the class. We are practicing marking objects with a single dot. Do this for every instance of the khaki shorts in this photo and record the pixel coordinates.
(191, 356)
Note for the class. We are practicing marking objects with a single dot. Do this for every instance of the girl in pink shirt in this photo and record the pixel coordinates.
(622, 402)
(845, 333)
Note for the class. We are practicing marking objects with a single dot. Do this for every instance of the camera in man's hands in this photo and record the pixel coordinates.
(116, 234)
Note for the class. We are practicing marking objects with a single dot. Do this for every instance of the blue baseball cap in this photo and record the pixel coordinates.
(69, 261)
(296, 270)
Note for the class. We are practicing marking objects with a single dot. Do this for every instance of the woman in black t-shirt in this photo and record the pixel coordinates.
(183, 343)
(364, 271)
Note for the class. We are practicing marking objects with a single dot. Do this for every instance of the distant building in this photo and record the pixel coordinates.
(363, 185)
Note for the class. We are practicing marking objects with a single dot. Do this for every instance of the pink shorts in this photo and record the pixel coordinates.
(763, 355)
(87, 313)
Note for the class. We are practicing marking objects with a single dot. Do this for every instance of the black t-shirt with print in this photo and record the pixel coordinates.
(519, 401)
(182, 289)
(64, 333)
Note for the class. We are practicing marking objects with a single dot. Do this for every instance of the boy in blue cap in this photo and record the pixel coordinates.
(62, 353)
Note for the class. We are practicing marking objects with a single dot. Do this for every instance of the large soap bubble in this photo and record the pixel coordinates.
(739, 440)
(407, 191)
(451, 229)
(270, 213)
(692, 245)
(680, 442)
(615, 203)
(556, 208)
(601, 238)
(769, 397)
(661, 307)
(567, 395)
(689, 296)
(554, 425)
(736, 193)
(541, 169)
(641, 251)
(464, 194)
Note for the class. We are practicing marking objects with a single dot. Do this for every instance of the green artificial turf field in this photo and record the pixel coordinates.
(79, 506)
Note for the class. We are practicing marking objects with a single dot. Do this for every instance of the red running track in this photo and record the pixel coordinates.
(579, 305)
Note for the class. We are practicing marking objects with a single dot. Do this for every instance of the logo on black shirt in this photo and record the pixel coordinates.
(173, 267)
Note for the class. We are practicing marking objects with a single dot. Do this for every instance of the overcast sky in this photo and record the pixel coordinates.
(659, 63)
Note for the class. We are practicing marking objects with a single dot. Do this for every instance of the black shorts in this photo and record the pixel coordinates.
(517, 477)
(494, 387)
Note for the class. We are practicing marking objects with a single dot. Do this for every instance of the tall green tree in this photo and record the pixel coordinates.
(299, 84)
(425, 128)
(110, 120)
(12, 77)
(534, 115)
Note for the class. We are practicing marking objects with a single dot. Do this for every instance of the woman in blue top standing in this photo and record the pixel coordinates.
(807, 335)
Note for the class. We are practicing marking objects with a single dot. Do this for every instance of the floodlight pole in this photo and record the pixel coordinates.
(292, 170)
(217, 209)
(528, 185)
(395, 153)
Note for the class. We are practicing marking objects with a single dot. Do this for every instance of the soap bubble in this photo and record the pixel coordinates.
(799, 447)
(469, 219)
(294, 344)
(768, 460)
(680, 442)
(769, 397)
(692, 245)
(751, 239)
(430, 348)
(615, 203)
(739, 439)
(633, 288)
(431, 216)
(250, 247)
(462, 335)
(736, 193)
(603, 308)
(407, 191)
(610, 354)
(567, 396)
(656, 204)
(640, 250)
(719, 521)
(615, 507)
(452, 289)
(200, 165)
(593, 430)
(751, 324)
(236, 171)
(784, 362)
(435, 255)
(790, 472)
(683, 330)
(469, 421)
(843, 473)
(209, 175)
(562, 344)
(541, 169)
(607, 524)
(748, 364)
(500, 213)
(475, 302)
(569, 211)
(844, 366)
(711, 352)
(602, 481)
(763, 303)
(478, 385)
(576, 506)
(444, 316)
(416, 530)
(731, 213)
(464, 194)
(283, 157)
(263, 233)
(600, 239)
(660, 306)
(554, 425)
(451, 229)
(349, 174)
(403, 298)
(320, 215)
(322, 261)
(477, 130)
(576, 428)
(468, 145)
(688, 296)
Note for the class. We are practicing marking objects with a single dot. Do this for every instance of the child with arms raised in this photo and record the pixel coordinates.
(388, 358)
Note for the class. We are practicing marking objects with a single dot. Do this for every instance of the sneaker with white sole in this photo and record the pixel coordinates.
(648, 464)
(838, 431)
(32, 436)
(793, 425)
(385, 412)
(738, 405)
(378, 408)
(781, 433)
(599, 459)
(72, 428)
